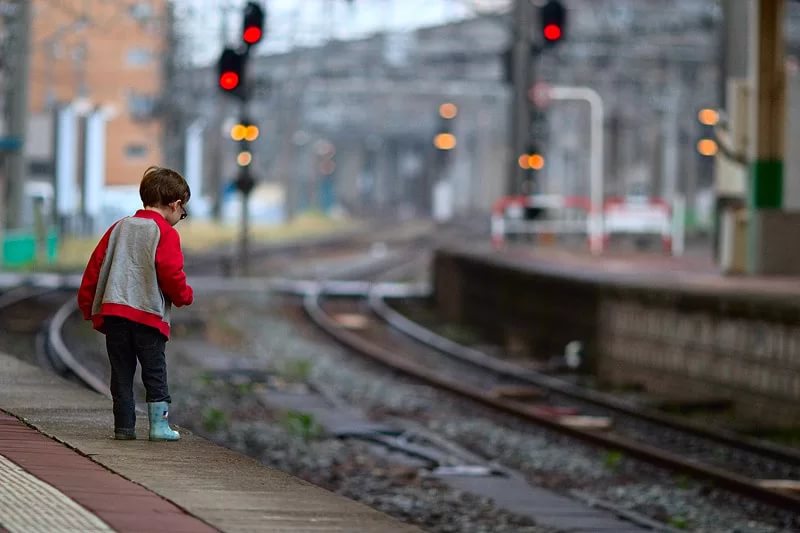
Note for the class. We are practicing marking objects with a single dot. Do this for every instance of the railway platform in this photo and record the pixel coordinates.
(675, 326)
(60, 470)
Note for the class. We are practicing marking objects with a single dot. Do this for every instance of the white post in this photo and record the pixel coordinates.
(498, 229)
(596, 156)
(66, 162)
(678, 218)
(193, 157)
(95, 166)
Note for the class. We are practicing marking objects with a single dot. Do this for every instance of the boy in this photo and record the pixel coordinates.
(133, 278)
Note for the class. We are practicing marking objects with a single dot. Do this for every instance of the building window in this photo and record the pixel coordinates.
(135, 151)
(141, 11)
(138, 57)
(141, 106)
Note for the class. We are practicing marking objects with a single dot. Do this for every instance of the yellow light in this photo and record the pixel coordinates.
(238, 132)
(448, 110)
(444, 141)
(707, 116)
(707, 147)
(251, 133)
(244, 158)
(536, 162)
(524, 162)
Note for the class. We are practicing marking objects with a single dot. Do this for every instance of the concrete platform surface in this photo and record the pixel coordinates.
(653, 270)
(224, 489)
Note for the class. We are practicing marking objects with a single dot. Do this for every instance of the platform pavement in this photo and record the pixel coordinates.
(194, 477)
(691, 273)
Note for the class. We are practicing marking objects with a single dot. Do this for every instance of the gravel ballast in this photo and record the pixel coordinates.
(266, 333)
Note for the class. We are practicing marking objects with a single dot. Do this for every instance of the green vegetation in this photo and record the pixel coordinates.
(295, 370)
(214, 419)
(679, 522)
(612, 459)
(245, 389)
(301, 425)
(206, 378)
(682, 482)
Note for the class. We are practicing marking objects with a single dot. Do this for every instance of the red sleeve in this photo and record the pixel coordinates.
(169, 268)
(90, 275)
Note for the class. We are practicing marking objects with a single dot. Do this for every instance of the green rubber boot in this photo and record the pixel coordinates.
(159, 426)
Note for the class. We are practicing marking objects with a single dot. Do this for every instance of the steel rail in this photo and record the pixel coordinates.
(734, 482)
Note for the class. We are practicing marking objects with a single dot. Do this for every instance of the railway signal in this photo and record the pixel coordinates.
(230, 71)
(253, 24)
(552, 19)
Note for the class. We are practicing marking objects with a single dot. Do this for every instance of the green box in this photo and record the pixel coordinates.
(19, 248)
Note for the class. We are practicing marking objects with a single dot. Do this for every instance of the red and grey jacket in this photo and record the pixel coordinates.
(135, 272)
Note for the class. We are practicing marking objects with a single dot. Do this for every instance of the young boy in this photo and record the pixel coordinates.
(132, 280)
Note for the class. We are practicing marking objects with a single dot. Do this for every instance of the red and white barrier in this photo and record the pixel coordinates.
(507, 216)
(646, 217)
(619, 216)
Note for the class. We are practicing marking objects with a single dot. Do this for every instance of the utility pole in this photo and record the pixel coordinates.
(520, 83)
(217, 167)
(766, 144)
(233, 81)
(17, 102)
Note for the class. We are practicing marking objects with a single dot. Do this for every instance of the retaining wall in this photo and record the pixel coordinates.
(685, 341)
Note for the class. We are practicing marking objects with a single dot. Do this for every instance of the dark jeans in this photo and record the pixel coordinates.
(127, 341)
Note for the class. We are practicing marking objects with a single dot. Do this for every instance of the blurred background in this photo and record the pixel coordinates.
(346, 96)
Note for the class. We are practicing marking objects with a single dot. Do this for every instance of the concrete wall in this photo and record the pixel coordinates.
(688, 343)
(704, 349)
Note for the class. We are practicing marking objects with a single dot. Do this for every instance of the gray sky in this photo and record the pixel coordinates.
(308, 22)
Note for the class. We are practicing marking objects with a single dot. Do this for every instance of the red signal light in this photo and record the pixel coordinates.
(229, 81)
(252, 35)
(552, 32)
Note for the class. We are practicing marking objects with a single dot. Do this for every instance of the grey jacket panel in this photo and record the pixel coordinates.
(128, 273)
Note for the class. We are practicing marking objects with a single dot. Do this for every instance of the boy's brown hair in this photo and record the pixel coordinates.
(162, 186)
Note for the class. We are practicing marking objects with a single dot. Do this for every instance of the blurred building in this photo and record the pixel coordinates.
(376, 101)
(655, 64)
(95, 84)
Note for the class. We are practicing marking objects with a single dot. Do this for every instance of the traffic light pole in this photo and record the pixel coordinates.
(232, 79)
(521, 75)
(244, 237)
(245, 185)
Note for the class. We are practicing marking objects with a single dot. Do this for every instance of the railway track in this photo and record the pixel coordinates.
(741, 466)
(35, 309)
(748, 467)
(26, 314)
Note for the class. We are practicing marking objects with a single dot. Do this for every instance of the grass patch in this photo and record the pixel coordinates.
(295, 370)
(612, 460)
(202, 236)
(214, 419)
(679, 522)
(206, 378)
(302, 425)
